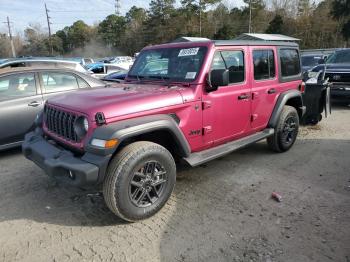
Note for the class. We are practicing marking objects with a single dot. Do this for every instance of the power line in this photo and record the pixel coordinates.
(78, 11)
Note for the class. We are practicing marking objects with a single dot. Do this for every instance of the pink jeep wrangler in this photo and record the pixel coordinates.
(194, 101)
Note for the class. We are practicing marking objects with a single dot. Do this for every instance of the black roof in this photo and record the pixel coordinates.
(253, 42)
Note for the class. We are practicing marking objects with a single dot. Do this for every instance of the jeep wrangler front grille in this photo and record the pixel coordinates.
(61, 123)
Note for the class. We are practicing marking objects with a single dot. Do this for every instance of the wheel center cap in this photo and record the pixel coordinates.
(147, 182)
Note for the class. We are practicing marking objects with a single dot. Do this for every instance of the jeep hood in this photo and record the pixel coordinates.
(119, 100)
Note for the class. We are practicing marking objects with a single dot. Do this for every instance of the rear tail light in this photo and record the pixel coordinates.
(302, 87)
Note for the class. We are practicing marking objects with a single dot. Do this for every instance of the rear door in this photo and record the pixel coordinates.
(265, 85)
(20, 102)
(226, 111)
(54, 83)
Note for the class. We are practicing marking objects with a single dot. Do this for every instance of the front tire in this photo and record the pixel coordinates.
(139, 181)
(286, 130)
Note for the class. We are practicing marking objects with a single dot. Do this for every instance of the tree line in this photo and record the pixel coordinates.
(322, 25)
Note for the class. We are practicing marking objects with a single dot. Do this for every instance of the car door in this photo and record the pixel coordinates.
(54, 83)
(226, 111)
(265, 85)
(20, 102)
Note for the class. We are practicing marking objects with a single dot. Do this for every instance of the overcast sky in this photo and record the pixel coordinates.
(64, 12)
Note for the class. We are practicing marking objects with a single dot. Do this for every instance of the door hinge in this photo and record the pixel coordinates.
(207, 130)
(206, 104)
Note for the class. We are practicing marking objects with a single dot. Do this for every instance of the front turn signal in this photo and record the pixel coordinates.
(111, 143)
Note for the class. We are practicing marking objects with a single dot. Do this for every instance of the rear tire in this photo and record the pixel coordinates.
(286, 130)
(139, 181)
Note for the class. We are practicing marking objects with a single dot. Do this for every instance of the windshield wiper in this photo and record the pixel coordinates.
(165, 79)
(138, 77)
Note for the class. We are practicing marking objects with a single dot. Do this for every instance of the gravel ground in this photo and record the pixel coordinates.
(221, 211)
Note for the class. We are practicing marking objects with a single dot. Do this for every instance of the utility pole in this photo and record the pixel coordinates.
(117, 7)
(250, 16)
(48, 24)
(10, 35)
(200, 18)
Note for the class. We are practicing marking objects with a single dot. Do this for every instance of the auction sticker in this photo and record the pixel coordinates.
(191, 75)
(189, 51)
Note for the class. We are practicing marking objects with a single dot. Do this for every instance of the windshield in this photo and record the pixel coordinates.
(310, 60)
(178, 64)
(339, 57)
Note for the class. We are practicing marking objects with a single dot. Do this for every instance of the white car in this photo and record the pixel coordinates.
(101, 70)
(124, 62)
(49, 63)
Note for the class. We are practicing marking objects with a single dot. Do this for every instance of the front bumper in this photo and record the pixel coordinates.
(61, 164)
(340, 91)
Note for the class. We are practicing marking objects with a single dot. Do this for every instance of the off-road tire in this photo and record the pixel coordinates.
(277, 142)
(119, 175)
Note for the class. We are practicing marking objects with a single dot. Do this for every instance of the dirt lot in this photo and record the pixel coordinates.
(221, 211)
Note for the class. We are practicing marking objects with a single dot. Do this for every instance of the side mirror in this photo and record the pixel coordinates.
(321, 61)
(217, 77)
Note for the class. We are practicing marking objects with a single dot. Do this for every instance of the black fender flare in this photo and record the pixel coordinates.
(129, 128)
(282, 101)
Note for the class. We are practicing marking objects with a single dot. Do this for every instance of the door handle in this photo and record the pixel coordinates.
(34, 104)
(271, 91)
(243, 96)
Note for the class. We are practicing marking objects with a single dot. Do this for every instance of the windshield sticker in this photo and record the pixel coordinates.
(188, 52)
(191, 75)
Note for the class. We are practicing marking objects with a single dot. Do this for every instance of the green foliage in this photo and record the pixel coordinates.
(341, 11)
(112, 30)
(79, 34)
(225, 33)
(340, 8)
(276, 25)
(161, 9)
(136, 14)
(324, 25)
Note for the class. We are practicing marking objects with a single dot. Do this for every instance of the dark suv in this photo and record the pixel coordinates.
(192, 101)
(338, 72)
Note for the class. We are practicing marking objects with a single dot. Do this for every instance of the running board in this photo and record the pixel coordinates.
(199, 158)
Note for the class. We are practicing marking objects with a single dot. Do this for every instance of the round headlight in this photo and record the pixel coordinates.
(312, 74)
(81, 126)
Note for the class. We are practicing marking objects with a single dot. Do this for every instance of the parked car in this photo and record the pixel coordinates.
(84, 61)
(124, 62)
(100, 70)
(23, 92)
(209, 99)
(44, 62)
(3, 61)
(337, 68)
(116, 76)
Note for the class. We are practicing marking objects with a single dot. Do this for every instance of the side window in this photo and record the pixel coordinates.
(20, 85)
(82, 83)
(233, 61)
(264, 64)
(290, 62)
(218, 62)
(58, 82)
